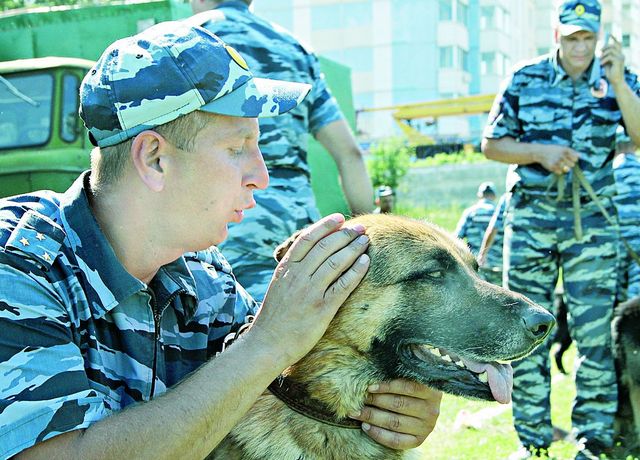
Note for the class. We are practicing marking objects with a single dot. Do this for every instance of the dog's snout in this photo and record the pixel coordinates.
(538, 323)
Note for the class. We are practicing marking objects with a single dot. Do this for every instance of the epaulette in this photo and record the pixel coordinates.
(37, 238)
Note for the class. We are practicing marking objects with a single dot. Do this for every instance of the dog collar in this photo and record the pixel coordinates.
(296, 397)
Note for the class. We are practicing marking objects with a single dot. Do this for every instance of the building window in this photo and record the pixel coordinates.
(462, 13)
(486, 17)
(446, 57)
(626, 40)
(463, 60)
(487, 63)
(446, 10)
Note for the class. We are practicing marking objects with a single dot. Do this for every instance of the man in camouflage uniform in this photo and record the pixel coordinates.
(288, 204)
(474, 219)
(490, 252)
(100, 311)
(556, 112)
(385, 200)
(626, 170)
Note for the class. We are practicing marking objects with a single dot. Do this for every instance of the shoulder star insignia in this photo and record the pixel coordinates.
(24, 241)
(40, 236)
(46, 257)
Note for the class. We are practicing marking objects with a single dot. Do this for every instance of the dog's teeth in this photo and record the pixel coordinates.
(483, 377)
(447, 358)
(435, 351)
(460, 363)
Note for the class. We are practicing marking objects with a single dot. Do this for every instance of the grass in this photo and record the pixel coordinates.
(449, 158)
(478, 430)
(446, 217)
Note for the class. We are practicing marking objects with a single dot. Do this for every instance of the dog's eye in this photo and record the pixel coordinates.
(436, 274)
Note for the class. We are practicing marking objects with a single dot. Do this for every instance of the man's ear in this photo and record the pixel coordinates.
(283, 247)
(147, 153)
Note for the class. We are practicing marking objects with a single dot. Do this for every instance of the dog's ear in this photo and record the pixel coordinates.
(283, 247)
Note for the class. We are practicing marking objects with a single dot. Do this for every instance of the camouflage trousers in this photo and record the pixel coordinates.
(491, 276)
(539, 240)
(279, 212)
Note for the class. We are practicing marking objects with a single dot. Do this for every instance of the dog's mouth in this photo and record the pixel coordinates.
(458, 375)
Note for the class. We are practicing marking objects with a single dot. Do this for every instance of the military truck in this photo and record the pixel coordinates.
(44, 55)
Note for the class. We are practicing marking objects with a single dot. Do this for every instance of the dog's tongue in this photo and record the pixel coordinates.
(500, 377)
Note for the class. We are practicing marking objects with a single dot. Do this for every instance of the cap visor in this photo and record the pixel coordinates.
(259, 97)
(569, 29)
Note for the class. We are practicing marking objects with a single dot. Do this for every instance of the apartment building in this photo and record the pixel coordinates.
(404, 51)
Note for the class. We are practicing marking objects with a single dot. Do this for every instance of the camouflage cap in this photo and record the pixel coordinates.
(169, 70)
(486, 187)
(576, 15)
(384, 190)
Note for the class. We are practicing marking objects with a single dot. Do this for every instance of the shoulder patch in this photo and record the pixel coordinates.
(37, 238)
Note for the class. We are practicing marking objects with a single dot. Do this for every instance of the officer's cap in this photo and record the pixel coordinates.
(486, 187)
(576, 15)
(384, 190)
(170, 70)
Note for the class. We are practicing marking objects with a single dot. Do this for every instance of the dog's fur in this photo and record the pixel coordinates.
(626, 340)
(421, 289)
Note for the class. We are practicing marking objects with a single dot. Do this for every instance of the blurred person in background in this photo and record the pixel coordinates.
(555, 120)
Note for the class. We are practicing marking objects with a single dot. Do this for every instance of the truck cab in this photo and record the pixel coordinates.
(43, 144)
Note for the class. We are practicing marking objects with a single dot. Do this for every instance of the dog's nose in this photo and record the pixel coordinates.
(538, 323)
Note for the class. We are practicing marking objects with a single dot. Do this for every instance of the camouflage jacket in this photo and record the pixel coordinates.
(474, 222)
(540, 103)
(272, 52)
(81, 337)
(626, 170)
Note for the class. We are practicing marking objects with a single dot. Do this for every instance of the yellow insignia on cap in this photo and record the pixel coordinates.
(236, 57)
(579, 9)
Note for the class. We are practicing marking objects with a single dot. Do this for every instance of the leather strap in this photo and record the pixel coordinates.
(296, 397)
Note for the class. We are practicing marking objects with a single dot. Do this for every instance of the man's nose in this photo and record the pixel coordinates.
(257, 175)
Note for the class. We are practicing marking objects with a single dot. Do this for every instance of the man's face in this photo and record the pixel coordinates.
(214, 182)
(577, 51)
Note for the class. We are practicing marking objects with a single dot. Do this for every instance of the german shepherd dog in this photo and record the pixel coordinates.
(625, 333)
(421, 313)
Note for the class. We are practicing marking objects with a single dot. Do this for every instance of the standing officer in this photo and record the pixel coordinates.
(475, 219)
(385, 200)
(555, 121)
(288, 203)
(626, 170)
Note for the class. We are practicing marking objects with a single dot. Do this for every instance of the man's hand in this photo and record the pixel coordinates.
(400, 414)
(316, 275)
(558, 159)
(613, 62)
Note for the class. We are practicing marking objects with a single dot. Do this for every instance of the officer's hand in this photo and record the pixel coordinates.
(400, 414)
(558, 159)
(321, 268)
(613, 62)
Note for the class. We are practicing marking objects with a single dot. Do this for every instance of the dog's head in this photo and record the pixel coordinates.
(423, 313)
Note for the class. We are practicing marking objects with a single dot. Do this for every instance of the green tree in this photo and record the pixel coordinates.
(389, 161)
